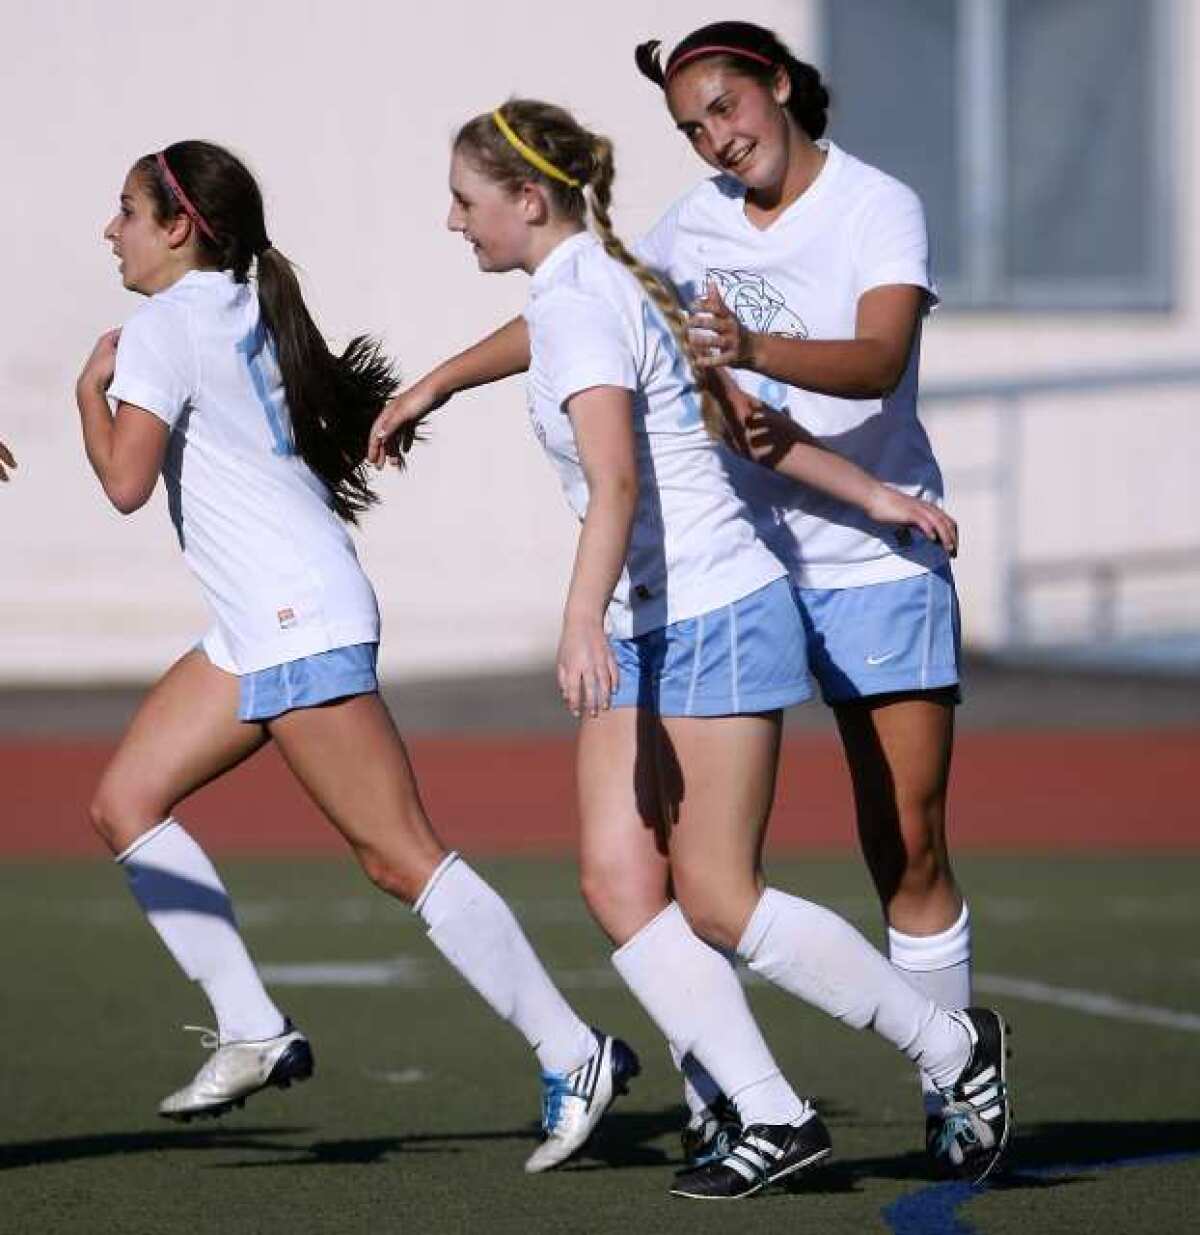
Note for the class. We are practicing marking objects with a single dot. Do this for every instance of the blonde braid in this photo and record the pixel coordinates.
(664, 298)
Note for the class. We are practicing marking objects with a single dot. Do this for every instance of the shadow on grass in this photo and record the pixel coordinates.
(110, 1144)
(1045, 1155)
(619, 1142)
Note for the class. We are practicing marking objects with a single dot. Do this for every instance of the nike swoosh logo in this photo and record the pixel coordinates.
(879, 660)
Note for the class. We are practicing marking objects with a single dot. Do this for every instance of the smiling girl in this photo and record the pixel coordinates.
(682, 694)
(226, 388)
(810, 275)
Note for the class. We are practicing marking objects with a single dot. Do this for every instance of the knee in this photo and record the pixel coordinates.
(622, 900)
(119, 818)
(713, 924)
(399, 879)
(717, 913)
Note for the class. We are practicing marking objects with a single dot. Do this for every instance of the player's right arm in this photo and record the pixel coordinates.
(125, 449)
(504, 353)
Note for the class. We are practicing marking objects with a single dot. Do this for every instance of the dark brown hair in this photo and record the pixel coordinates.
(332, 400)
(586, 158)
(809, 101)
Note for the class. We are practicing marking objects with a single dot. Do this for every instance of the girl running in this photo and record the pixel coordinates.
(683, 696)
(227, 389)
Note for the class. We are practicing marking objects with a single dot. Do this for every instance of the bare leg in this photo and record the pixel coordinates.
(728, 765)
(631, 813)
(898, 749)
(624, 869)
(350, 758)
(185, 734)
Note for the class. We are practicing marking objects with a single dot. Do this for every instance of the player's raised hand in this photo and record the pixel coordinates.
(6, 461)
(898, 509)
(395, 428)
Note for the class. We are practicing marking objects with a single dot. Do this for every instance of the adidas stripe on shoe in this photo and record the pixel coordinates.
(764, 1154)
(968, 1137)
(574, 1103)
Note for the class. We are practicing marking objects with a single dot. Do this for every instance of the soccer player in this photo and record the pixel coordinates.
(227, 389)
(682, 696)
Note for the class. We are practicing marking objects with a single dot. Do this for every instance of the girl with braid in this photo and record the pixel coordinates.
(681, 644)
(226, 388)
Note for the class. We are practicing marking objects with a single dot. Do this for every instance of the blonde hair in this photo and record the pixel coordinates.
(587, 158)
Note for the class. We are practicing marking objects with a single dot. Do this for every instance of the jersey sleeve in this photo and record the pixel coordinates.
(656, 246)
(582, 342)
(155, 363)
(893, 244)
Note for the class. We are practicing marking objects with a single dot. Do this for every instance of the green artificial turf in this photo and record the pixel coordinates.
(424, 1106)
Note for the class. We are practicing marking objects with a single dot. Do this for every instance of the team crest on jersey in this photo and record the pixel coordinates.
(756, 304)
(287, 618)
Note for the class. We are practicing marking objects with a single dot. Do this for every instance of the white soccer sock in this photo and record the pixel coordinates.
(939, 966)
(472, 927)
(812, 953)
(185, 901)
(692, 993)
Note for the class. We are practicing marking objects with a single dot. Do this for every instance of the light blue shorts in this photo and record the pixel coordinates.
(883, 638)
(745, 657)
(307, 682)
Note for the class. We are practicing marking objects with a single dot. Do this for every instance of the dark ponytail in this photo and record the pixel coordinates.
(332, 400)
(753, 51)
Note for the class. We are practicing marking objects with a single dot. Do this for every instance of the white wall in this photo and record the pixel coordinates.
(346, 111)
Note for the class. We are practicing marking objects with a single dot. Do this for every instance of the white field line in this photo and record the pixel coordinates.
(416, 974)
(1094, 1003)
(403, 971)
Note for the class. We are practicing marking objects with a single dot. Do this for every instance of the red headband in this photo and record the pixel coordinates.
(182, 198)
(715, 49)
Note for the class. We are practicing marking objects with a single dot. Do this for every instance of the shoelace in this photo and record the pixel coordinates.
(210, 1039)
(719, 1146)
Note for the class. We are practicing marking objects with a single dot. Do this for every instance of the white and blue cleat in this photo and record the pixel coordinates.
(574, 1103)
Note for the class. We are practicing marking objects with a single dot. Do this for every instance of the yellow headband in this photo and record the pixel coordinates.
(530, 155)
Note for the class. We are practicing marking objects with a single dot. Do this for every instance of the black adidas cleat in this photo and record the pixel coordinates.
(236, 1070)
(968, 1137)
(763, 1155)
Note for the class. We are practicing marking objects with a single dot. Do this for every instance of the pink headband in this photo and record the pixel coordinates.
(182, 198)
(715, 48)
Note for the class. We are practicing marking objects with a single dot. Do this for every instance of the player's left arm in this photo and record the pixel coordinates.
(869, 366)
(602, 420)
(125, 449)
(774, 440)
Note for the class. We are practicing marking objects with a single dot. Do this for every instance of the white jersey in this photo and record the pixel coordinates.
(255, 523)
(853, 229)
(693, 547)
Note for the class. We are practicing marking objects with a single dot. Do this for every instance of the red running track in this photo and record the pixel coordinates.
(1015, 791)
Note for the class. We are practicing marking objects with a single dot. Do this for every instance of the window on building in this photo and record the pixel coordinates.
(1036, 132)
